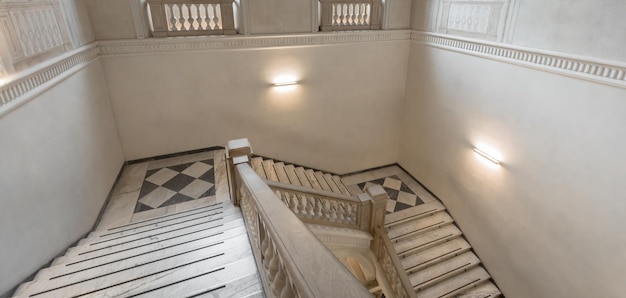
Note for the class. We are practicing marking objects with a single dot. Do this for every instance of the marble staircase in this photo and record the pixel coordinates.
(200, 252)
(437, 259)
(278, 171)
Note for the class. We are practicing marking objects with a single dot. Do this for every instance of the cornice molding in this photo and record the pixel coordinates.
(17, 89)
(178, 44)
(607, 72)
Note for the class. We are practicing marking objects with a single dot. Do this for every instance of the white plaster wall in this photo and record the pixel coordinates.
(585, 27)
(111, 19)
(549, 222)
(280, 16)
(60, 156)
(78, 22)
(342, 117)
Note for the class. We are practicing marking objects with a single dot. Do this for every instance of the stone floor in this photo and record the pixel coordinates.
(404, 192)
(163, 186)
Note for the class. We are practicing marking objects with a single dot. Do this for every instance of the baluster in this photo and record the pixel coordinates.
(209, 16)
(293, 203)
(320, 209)
(217, 18)
(287, 290)
(202, 16)
(273, 264)
(352, 9)
(302, 206)
(310, 207)
(334, 14)
(279, 281)
(195, 15)
(173, 8)
(185, 16)
(366, 16)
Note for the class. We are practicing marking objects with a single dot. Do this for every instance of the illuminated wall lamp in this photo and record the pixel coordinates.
(487, 156)
(282, 84)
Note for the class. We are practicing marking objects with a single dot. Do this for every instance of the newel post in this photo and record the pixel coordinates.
(327, 16)
(228, 17)
(237, 151)
(159, 22)
(377, 221)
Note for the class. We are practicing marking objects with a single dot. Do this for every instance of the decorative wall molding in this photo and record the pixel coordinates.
(121, 47)
(492, 20)
(606, 72)
(19, 88)
(341, 237)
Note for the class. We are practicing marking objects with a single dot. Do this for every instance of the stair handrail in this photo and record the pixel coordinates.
(316, 206)
(292, 261)
(394, 271)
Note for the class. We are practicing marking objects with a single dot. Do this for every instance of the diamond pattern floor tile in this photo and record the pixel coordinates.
(400, 195)
(174, 184)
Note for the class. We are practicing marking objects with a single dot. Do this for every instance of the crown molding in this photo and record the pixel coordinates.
(601, 71)
(19, 88)
(182, 44)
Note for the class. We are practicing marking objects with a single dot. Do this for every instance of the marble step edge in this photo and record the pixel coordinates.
(444, 270)
(72, 251)
(195, 265)
(209, 213)
(459, 246)
(47, 273)
(227, 253)
(453, 234)
(72, 255)
(457, 284)
(425, 224)
(413, 213)
(342, 189)
(486, 289)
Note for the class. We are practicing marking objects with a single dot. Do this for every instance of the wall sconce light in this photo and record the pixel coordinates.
(487, 156)
(282, 84)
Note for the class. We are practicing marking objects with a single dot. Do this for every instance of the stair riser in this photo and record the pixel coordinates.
(414, 269)
(444, 276)
(420, 231)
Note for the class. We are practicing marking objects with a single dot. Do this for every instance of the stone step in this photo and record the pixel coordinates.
(279, 167)
(485, 290)
(270, 172)
(435, 254)
(422, 225)
(241, 286)
(257, 165)
(313, 179)
(426, 240)
(413, 213)
(304, 180)
(143, 253)
(456, 284)
(87, 251)
(446, 269)
(320, 178)
(333, 186)
(291, 174)
(151, 275)
(234, 246)
(342, 186)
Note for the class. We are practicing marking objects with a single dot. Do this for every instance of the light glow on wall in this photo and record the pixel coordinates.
(488, 155)
(285, 83)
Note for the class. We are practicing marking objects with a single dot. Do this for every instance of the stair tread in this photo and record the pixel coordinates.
(291, 174)
(279, 167)
(92, 251)
(143, 279)
(270, 172)
(313, 179)
(442, 270)
(322, 181)
(257, 165)
(342, 187)
(426, 240)
(228, 251)
(485, 290)
(304, 180)
(456, 284)
(141, 254)
(419, 225)
(333, 186)
(435, 254)
(413, 213)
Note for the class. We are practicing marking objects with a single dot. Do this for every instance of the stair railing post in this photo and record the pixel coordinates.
(237, 151)
(159, 19)
(379, 199)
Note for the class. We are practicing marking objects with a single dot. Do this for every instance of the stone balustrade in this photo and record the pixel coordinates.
(191, 17)
(339, 15)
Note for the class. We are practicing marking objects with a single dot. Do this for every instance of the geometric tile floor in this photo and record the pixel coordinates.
(400, 195)
(176, 184)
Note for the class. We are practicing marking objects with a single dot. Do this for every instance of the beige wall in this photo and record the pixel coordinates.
(60, 157)
(111, 19)
(549, 222)
(342, 117)
(281, 16)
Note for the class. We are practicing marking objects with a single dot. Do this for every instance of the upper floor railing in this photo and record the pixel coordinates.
(191, 17)
(339, 15)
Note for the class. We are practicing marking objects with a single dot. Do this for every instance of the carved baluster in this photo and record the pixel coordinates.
(272, 270)
(217, 16)
(171, 22)
(303, 205)
(366, 17)
(279, 281)
(293, 203)
(195, 14)
(310, 207)
(287, 291)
